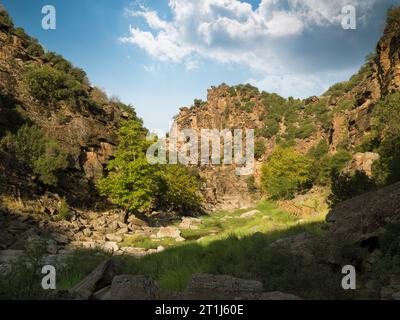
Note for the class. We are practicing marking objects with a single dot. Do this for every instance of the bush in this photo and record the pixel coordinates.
(59, 63)
(348, 186)
(285, 173)
(259, 149)
(49, 85)
(37, 152)
(393, 15)
(5, 18)
(385, 139)
(178, 188)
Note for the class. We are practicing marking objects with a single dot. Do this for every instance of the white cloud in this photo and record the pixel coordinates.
(231, 31)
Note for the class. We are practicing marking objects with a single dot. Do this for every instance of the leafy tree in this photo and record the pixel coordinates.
(138, 186)
(37, 152)
(178, 189)
(131, 179)
(285, 173)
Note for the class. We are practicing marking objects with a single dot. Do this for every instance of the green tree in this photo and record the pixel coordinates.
(178, 188)
(131, 181)
(285, 173)
(37, 152)
(138, 186)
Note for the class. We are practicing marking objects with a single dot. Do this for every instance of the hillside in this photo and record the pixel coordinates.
(341, 117)
(76, 188)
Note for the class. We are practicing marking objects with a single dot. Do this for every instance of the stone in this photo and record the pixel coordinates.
(100, 278)
(365, 217)
(160, 249)
(189, 223)
(111, 246)
(390, 293)
(122, 231)
(169, 232)
(130, 287)
(249, 214)
(220, 287)
(60, 238)
(114, 238)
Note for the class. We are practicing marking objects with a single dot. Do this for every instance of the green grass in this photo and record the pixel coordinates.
(148, 243)
(237, 246)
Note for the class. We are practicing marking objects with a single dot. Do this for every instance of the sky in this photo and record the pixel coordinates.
(160, 55)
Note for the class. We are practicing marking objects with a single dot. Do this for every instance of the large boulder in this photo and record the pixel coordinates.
(130, 287)
(365, 217)
(100, 278)
(221, 287)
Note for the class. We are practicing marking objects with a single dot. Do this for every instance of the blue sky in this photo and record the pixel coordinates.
(159, 55)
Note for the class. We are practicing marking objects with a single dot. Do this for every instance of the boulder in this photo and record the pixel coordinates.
(169, 232)
(100, 278)
(59, 238)
(365, 217)
(114, 238)
(111, 246)
(129, 287)
(220, 287)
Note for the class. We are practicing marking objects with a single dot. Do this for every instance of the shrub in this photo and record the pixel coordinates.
(259, 149)
(49, 85)
(348, 186)
(251, 185)
(37, 152)
(320, 150)
(59, 63)
(178, 188)
(5, 18)
(385, 138)
(285, 173)
(393, 15)
(305, 130)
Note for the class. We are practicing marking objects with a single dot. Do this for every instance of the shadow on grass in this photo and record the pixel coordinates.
(252, 257)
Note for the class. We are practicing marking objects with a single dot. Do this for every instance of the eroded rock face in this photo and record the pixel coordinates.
(365, 217)
(363, 162)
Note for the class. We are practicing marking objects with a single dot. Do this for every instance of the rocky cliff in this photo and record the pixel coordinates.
(86, 130)
(341, 117)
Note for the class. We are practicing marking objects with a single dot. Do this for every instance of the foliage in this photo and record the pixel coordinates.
(59, 63)
(138, 186)
(5, 19)
(320, 150)
(393, 15)
(37, 152)
(270, 129)
(251, 184)
(259, 149)
(130, 182)
(178, 189)
(285, 173)
(384, 139)
(348, 186)
(49, 85)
